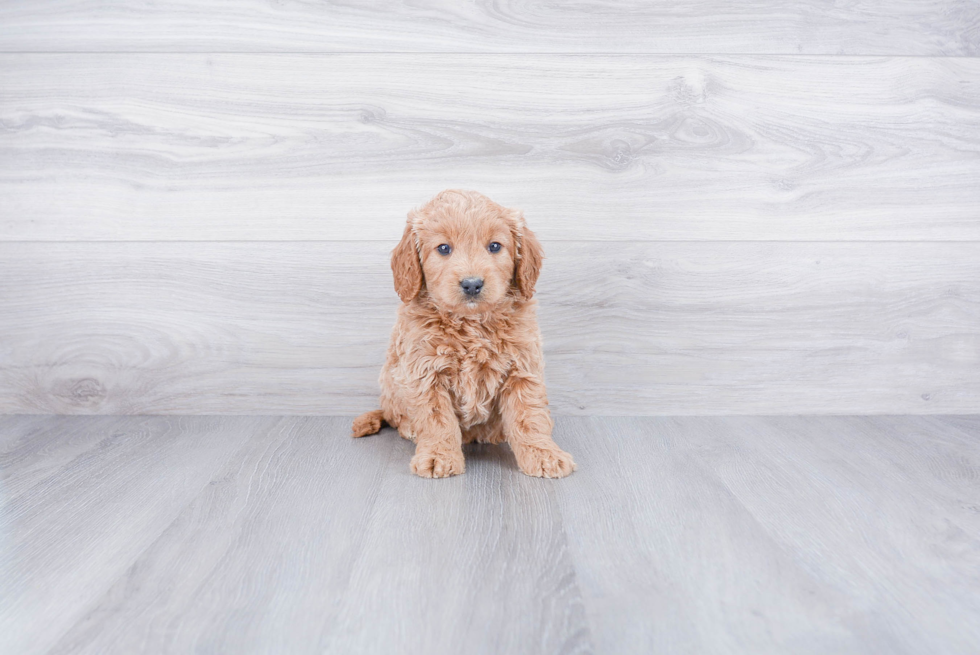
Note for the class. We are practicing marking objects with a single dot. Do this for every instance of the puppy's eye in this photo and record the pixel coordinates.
(444, 249)
(494, 247)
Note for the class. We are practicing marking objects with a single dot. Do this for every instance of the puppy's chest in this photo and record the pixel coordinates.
(474, 367)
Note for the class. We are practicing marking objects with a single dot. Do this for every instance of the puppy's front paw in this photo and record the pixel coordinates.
(438, 464)
(544, 462)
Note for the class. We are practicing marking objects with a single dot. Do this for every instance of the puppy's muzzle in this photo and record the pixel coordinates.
(471, 286)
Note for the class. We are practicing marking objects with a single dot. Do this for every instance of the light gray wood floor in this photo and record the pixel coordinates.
(692, 535)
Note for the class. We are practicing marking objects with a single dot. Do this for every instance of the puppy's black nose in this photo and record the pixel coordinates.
(471, 285)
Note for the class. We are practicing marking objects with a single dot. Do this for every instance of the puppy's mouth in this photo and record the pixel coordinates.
(472, 302)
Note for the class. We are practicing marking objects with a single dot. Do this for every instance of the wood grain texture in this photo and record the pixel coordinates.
(81, 500)
(309, 541)
(783, 534)
(677, 534)
(645, 328)
(491, 542)
(927, 27)
(338, 147)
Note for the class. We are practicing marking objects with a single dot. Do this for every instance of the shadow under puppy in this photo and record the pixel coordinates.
(465, 363)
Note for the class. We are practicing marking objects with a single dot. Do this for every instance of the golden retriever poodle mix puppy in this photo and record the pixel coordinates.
(465, 363)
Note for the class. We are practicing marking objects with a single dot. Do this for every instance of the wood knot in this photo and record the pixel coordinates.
(83, 392)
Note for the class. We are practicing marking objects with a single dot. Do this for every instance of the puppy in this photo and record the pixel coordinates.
(465, 362)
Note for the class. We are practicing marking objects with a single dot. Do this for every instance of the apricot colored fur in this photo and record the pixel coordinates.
(461, 369)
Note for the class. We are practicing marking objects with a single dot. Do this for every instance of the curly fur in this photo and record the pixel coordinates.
(460, 369)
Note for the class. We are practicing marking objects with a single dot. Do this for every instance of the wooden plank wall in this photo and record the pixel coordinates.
(770, 209)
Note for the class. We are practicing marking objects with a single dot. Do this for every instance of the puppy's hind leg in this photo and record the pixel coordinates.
(368, 423)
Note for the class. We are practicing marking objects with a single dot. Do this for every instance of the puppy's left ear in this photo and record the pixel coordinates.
(530, 256)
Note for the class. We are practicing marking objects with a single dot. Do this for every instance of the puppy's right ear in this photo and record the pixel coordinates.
(406, 266)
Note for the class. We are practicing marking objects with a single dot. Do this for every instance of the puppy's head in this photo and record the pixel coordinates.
(468, 252)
